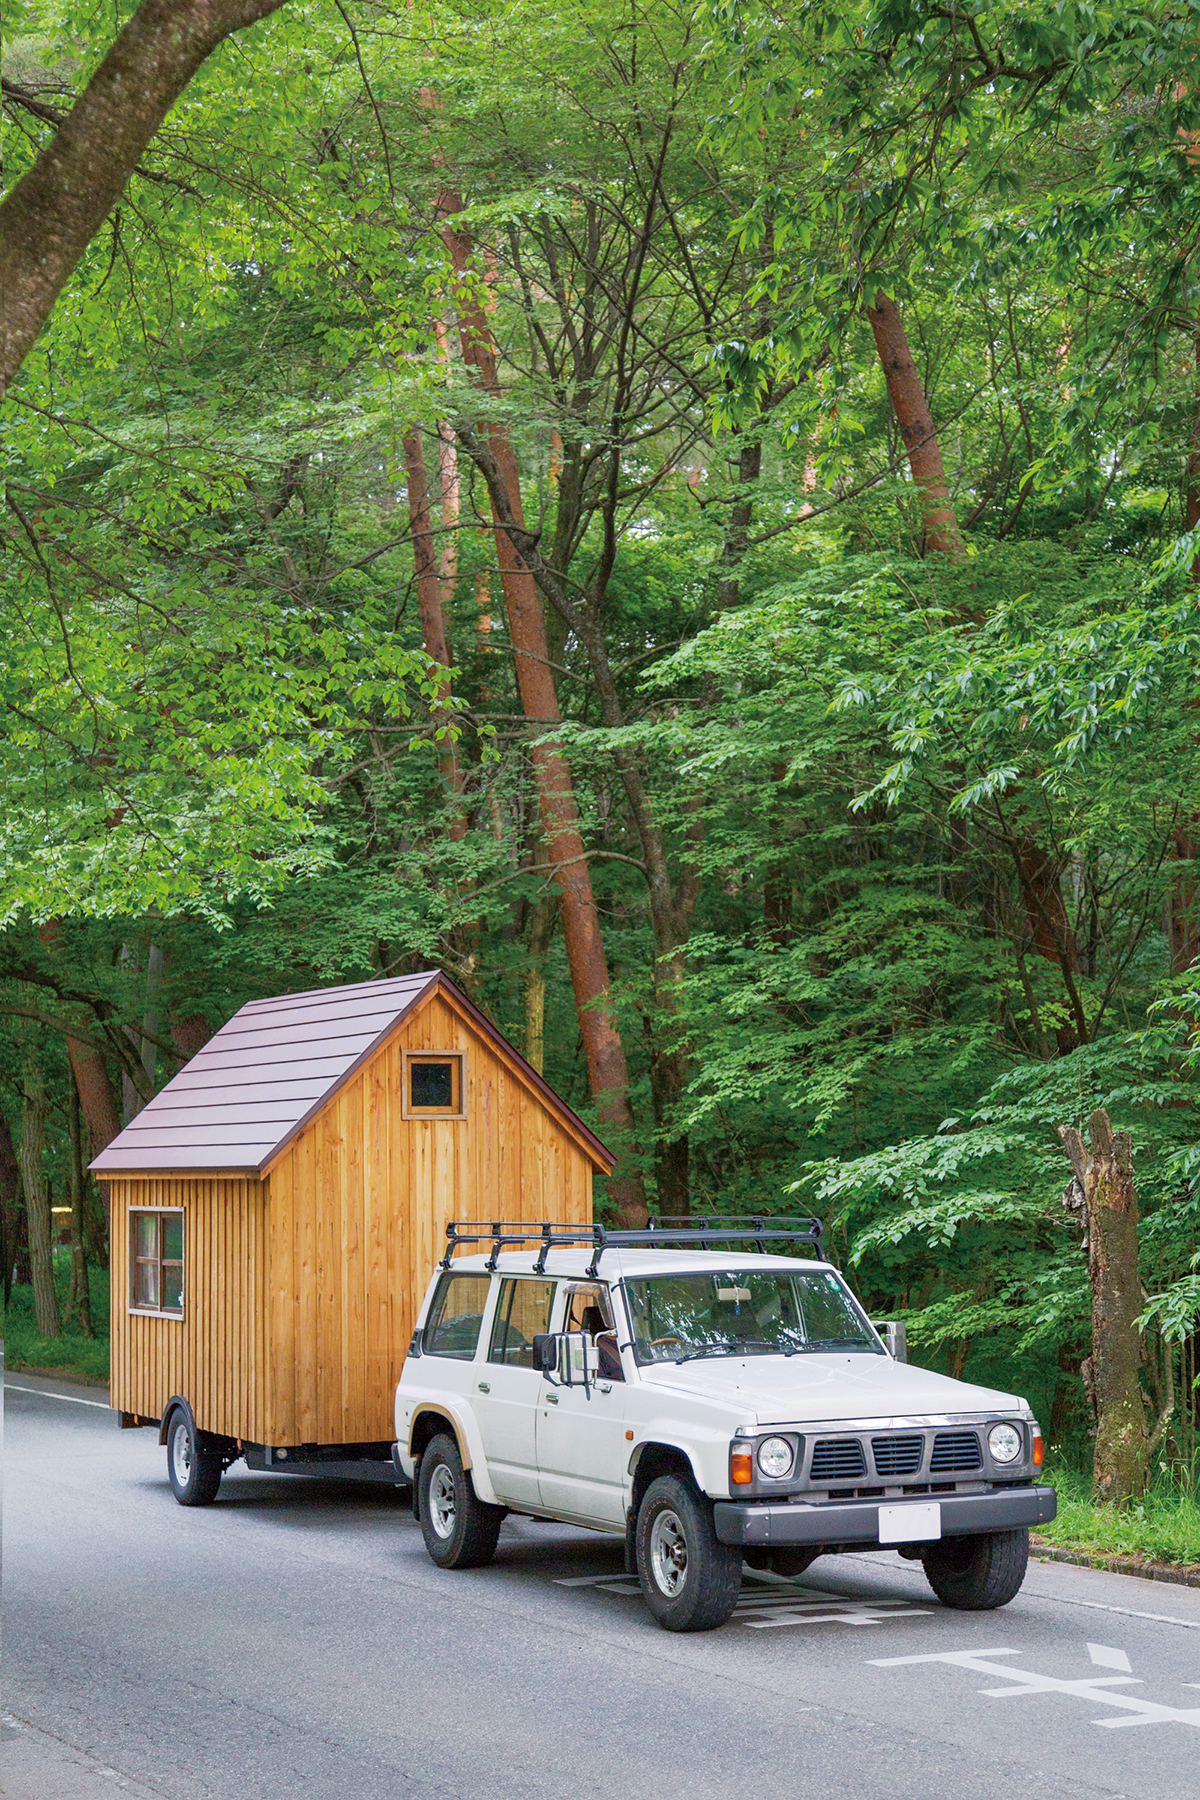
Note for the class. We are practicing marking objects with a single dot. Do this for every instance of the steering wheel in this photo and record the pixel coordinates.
(666, 1340)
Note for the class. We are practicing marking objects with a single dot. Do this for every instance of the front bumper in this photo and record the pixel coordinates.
(857, 1522)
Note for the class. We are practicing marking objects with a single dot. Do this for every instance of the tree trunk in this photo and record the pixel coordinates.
(189, 1033)
(608, 1073)
(10, 1204)
(915, 423)
(737, 535)
(1051, 932)
(429, 603)
(1104, 1175)
(58, 206)
(37, 1199)
(81, 1299)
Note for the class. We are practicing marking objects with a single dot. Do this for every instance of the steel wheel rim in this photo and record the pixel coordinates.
(668, 1554)
(443, 1509)
(181, 1453)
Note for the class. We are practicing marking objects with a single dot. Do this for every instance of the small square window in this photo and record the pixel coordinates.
(156, 1262)
(434, 1085)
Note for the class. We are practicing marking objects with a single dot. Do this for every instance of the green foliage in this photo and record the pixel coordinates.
(70, 1354)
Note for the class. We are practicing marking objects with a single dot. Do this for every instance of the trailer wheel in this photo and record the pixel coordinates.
(980, 1572)
(193, 1466)
(459, 1529)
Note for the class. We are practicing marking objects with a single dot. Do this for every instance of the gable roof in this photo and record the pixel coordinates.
(261, 1078)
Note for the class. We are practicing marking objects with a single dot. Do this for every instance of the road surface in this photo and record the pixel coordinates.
(293, 1642)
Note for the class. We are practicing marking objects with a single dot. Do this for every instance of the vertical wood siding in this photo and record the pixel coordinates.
(214, 1354)
(358, 1212)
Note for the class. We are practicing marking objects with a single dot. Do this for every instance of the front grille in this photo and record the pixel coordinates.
(897, 1455)
(837, 1459)
(955, 1450)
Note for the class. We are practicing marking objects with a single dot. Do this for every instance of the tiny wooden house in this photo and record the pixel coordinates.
(277, 1210)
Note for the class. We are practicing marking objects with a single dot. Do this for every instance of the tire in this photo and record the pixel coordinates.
(689, 1579)
(459, 1529)
(194, 1467)
(976, 1574)
(788, 1559)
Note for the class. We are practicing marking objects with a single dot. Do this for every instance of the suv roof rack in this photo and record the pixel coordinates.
(756, 1228)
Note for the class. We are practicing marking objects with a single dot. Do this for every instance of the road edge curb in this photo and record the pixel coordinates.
(1117, 1565)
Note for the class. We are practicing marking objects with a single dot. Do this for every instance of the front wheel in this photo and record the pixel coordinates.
(193, 1466)
(690, 1580)
(460, 1530)
(976, 1574)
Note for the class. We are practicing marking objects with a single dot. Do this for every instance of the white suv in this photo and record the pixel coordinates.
(713, 1401)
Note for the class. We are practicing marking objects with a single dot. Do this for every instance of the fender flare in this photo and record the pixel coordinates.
(469, 1439)
(177, 1403)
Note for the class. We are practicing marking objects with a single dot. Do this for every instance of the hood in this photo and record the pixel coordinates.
(797, 1389)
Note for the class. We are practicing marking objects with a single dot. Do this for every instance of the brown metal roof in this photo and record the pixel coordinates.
(261, 1078)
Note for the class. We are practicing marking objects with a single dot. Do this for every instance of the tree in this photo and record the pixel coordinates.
(56, 207)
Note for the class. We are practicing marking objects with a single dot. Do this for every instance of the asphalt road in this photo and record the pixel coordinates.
(293, 1642)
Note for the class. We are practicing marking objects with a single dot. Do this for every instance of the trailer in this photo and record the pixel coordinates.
(275, 1212)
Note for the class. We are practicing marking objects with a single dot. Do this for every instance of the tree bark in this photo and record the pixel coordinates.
(608, 1073)
(1051, 932)
(1104, 1174)
(915, 423)
(81, 1300)
(57, 207)
(10, 1204)
(429, 603)
(32, 1155)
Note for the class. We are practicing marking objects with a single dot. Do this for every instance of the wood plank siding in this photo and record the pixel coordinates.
(301, 1285)
(358, 1209)
(215, 1353)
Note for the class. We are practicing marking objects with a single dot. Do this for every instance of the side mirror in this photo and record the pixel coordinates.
(578, 1359)
(895, 1337)
(545, 1352)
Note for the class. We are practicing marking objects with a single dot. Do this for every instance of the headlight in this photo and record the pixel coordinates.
(775, 1458)
(1005, 1443)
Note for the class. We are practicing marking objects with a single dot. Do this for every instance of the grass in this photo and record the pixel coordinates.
(1163, 1527)
(84, 1359)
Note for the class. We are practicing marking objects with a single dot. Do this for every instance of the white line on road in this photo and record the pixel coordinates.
(44, 1394)
(1096, 1688)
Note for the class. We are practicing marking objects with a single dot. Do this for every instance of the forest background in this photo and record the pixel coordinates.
(688, 518)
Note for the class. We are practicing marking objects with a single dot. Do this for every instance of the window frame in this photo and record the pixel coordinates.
(458, 1060)
(134, 1305)
(488, 1337)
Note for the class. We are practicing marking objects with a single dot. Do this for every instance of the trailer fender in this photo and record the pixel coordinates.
(177, 1403)
(470, 1443)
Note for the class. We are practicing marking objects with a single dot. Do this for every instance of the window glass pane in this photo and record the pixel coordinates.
(432, 1084)
(524, 1309)
(145, 1292)
(172, 1282)
(745, 1312)
(455, 1318)
(146, 1226)
(173, 1236)
(588, 1309)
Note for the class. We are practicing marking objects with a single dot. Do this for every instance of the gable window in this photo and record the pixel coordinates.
(156, 1261)
(434, 1084)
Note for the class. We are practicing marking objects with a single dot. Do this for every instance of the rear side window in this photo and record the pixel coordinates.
(456, 1316)
(522, 1310)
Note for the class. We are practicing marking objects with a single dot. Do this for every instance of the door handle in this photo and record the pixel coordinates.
(485, 1387)
(551, 1399)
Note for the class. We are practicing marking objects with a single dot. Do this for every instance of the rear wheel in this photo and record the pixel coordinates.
(194, 1467)
(976, 1574)
(460, 1530)
(690, 1580)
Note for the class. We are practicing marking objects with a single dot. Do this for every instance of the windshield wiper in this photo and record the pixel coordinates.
(708, 1350)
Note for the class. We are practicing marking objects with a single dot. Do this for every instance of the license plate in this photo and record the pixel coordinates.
(910, 1523)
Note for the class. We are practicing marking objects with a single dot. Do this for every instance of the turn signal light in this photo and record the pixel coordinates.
(741, 1467)
(1039, 1450)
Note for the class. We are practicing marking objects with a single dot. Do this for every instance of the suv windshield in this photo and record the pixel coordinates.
(744, 1312)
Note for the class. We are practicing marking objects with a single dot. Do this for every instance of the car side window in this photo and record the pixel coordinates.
(456, 1316)
(522, 1310)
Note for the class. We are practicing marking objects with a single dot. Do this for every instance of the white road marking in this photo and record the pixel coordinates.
(769, 1607)
(44, 1394)
(1095, 1687)
(1104, 1658)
